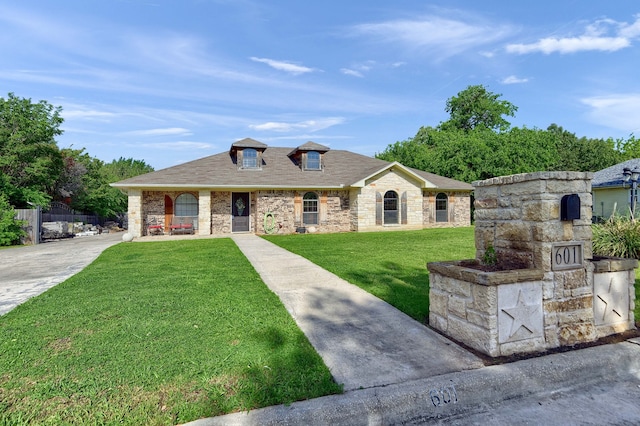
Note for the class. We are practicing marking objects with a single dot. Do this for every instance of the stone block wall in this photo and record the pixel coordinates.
(459, 204)
(475, 307)
(221, 212)
(555, 295)
(520, 215)
(364, 205)
(333, 211)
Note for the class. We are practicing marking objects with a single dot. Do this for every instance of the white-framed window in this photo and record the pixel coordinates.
(186, 205)
(310, 208)
(391, 207)
(312, 161)
(442, 207)
(249, 158)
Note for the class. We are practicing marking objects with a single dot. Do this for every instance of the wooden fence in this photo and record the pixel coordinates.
(33, 217)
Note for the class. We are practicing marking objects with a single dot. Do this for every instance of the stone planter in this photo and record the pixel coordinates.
(477, 308)
(562, 298)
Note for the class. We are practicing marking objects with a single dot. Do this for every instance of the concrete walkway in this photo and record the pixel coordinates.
(364, 341)
(396, 371)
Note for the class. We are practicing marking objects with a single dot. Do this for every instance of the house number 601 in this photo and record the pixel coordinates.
(566, 256)
(443, 395)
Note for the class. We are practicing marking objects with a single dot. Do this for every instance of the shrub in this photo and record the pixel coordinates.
(10, 228)
(617, 237)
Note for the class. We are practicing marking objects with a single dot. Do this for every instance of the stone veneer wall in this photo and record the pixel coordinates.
(333, 214)
(153, 206)
(221, 212)
(364, 203)
(542, 306)
(459, 204)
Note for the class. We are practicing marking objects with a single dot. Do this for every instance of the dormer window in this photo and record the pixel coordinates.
(312, 161)
(249, 158)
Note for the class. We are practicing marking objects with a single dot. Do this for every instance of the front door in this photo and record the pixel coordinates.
(240, 212)
(168, 212)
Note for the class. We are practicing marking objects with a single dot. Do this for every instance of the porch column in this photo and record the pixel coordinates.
(135, 213)
(204, 213)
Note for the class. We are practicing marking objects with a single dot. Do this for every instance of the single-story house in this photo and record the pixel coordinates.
(612, 192)
(311, 188)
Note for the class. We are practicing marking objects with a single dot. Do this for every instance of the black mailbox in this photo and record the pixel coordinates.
(570, 207)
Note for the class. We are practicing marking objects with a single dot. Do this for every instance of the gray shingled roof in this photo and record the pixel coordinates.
(342, 169)
(612, 176)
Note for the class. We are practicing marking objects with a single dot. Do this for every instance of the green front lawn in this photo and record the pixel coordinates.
(154, 333)
(389, 265)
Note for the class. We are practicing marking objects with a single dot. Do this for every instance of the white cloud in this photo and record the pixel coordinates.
(177, 146)
(87, 114)
(512, 79)
(631, 30)
(284, 66)
(309, 125)
(354, 73)
(443, 36)
(618, 111)
(571, 45)
(161, 132)
(605, 35)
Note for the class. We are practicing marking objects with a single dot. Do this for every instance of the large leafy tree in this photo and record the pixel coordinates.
(476, 107)
(477, 143)
(30, 161)
(85, 182)
(583, 154)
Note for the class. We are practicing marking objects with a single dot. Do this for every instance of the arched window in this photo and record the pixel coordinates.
(249, 158)
(442, 207)
(310, 208)
(186, 205)
(313, 161)
(390, 207)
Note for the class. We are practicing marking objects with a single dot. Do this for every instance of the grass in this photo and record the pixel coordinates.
(389, 265)
(154, 333)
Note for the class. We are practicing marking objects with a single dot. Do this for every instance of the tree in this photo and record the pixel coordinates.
(476, 107)
(630, 148)
(10, 228)
(582, 154)
(30, 161)
(97, 195)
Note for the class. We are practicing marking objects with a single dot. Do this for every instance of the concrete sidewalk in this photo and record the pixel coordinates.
(364, 341)
(594, 386)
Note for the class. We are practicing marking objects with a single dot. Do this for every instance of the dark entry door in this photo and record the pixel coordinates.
(240, 212)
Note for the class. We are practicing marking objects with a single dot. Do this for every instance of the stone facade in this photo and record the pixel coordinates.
(560, 297)
(458, 212)
(366, 199)
(345, 210)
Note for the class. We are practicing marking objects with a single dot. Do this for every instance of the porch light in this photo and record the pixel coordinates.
(632, 175)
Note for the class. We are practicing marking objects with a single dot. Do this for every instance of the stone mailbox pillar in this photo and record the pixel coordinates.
(548, 292)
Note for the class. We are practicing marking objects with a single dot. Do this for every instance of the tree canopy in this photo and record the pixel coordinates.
(475, 107)
(35, 171)
(30, 162)
(478, 143)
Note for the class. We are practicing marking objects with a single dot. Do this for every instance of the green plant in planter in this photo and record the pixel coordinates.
(489, 257)
(619, 236)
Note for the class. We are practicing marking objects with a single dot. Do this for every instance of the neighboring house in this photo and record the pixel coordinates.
(610, 192)
(261, 189)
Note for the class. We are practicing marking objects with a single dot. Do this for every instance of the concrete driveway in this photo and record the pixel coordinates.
(30, 270)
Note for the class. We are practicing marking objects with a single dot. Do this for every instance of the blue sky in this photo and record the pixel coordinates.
(168, 81)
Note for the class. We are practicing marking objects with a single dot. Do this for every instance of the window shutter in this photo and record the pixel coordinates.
(403, 208)
(378, 208)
